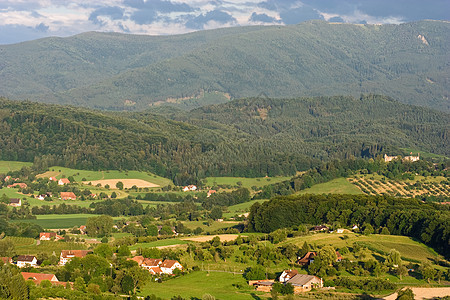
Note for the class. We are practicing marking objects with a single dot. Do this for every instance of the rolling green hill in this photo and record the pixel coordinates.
(408, 62)
(251, 137)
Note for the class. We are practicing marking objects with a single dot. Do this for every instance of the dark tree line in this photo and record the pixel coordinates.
(430, 223)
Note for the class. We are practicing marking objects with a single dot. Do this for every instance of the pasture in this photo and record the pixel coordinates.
(240, 208)
(194, 285)
(204, 225)
(58, 221)
(84, 175)
(28, 246)
(160, 243)
(6, 166)
(335, 186)
(244, 182)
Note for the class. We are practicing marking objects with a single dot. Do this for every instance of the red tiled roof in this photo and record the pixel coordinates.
(152, 262)
(74, 253)
(38, 277)
(28, 258)
(168, 263)
(68, 195)
(6, 259)
(155, 270)
(65, 180)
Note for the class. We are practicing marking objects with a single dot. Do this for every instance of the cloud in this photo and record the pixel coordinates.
(113, 12)
(30, 19)
(216, 16)
(262, 18)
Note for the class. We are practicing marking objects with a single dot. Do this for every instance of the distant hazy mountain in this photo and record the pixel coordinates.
(409, 62)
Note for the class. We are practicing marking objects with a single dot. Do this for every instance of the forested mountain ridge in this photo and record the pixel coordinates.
(247, 137)
(408, 62)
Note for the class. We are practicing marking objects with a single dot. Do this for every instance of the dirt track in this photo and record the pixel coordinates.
(127, 183)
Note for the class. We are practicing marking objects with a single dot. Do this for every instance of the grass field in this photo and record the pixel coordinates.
(59, 221)
(28, 246)
(335, 186)
(204, 226)
(407, 247)
(160, 243)
(194, 285)
(78, 175)
(240, 208)
(6, 166)
(246, 182)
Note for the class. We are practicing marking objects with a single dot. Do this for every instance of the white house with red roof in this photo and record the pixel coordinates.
(63, 181)
(168, 266)
(27, 261)
(67, 255)
(47, 236)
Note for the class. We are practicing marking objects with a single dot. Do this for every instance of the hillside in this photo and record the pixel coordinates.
(408, 62)
(248, 137)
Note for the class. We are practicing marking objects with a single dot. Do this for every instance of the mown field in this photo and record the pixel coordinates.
(335, 186)
(59, 221)
(240, 208)
(84, 175)
(160, 243)
(204, 225)
(218, 284)
(6, 166)
(244, 182)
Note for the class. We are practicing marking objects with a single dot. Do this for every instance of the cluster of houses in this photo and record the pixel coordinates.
(300, 282)
(410, 158)
(24, 261)
(156, 266)
(189, 188)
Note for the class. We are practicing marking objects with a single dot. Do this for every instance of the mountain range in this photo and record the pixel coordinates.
(407, 62)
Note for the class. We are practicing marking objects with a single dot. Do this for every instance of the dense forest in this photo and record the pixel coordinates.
(248, 137)
(408, 62)
(429, 223)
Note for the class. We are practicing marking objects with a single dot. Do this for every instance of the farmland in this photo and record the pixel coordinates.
(28, 246)
(243, 182)
(6, 166)
(58, 221)
(408, 248)
(335, 186)
(376, 184)
(84, 175)
(219, 284)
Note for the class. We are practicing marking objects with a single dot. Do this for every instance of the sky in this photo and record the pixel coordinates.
(22, 20)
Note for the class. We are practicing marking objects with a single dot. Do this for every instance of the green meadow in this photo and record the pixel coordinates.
(194, 285)
(335, 186)
(6, 166)
(245, 182)
(58, 221)
(28, 246)
(209, 228)
(160, 243)
(240, 208)
(79, 175)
